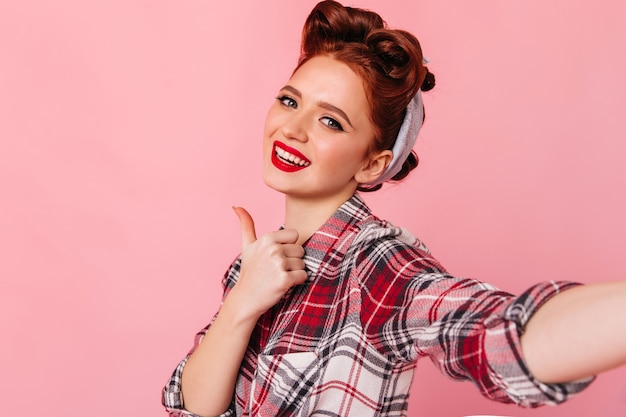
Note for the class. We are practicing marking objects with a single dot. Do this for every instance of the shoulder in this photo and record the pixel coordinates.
(379, 245)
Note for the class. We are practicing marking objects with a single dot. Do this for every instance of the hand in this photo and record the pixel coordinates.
(270, 266)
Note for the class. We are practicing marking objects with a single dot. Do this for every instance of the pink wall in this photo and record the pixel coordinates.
(129, 128)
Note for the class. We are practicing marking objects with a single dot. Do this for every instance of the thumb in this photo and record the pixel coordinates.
(248, 235)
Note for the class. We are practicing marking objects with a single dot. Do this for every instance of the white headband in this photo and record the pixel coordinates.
(407, 136)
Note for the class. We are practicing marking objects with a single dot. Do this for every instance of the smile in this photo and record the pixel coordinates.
(288, 159)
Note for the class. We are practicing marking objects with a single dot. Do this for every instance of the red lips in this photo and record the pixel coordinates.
(282, 163)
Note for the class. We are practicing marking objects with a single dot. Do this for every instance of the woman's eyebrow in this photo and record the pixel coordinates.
(335, 109)
(322, 104)
(293, 90)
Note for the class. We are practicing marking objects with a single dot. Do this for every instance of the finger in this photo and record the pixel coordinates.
(293, 251)
(294, 264)
(248, 234)
(297, 277)
(285, 236)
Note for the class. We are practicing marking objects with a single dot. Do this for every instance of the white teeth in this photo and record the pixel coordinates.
(287, 157)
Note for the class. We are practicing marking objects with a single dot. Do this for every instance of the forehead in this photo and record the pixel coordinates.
(323, 78)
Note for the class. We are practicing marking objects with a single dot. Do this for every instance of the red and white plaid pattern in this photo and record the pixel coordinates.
(346, 342)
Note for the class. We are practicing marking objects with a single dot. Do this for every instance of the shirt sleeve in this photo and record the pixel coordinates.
(172, 395)
(471, 330)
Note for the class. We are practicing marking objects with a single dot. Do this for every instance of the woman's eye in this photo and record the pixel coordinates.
(287, 101)
(332, 123)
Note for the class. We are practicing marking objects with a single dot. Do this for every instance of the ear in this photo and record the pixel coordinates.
(374, 166)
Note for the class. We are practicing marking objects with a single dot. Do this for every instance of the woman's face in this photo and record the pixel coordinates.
(318, 133)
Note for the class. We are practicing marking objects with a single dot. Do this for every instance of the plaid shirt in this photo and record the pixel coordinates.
(346, 342)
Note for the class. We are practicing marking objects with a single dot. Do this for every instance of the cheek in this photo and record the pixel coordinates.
(272, 121)
(347, 152)
(268, 141)
(267, 148)
(338, 159)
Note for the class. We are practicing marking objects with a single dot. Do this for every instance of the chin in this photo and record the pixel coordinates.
(274, 183)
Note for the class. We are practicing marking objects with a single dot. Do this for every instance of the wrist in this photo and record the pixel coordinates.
(237, 312)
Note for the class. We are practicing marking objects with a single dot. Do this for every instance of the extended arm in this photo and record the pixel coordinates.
(578, 333)
(470, 329)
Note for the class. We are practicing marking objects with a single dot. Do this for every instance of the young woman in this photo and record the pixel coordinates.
(329, 314)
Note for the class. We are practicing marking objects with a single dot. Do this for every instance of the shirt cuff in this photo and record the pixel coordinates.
(173, 401)
(508, 366)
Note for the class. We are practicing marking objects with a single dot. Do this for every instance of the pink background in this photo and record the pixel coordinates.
(129, 128)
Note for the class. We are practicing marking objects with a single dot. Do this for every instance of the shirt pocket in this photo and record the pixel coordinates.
(284, 382)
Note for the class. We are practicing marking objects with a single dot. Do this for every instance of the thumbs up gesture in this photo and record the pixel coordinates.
(270, 266)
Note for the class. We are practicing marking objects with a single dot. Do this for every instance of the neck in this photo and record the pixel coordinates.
(307, 216)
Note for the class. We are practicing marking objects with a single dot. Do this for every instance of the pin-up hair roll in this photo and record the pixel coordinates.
(391, 65)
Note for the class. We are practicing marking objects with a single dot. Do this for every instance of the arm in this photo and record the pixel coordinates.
(269, 267)
(577, 333)
(209, 376)
(469, 329)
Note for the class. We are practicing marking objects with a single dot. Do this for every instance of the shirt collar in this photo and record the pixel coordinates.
(327, 241)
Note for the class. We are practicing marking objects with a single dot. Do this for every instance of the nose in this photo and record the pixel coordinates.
(296, 126)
